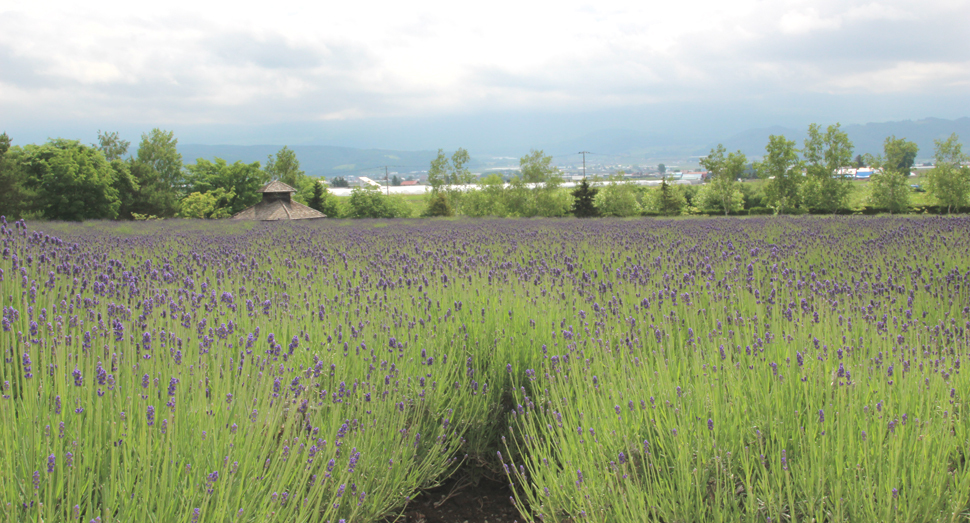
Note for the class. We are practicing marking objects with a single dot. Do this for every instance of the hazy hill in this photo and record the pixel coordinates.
(607, 146)
(318, 160)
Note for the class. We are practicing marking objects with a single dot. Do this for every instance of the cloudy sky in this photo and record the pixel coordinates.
(426, 74)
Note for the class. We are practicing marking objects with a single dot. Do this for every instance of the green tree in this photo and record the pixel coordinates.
(662, 169)
(157, 168)
(783, 172)
(888, 186)
(618, 198)
(545, 199)
(112, 145)
(669, 200)
(584, 197)
(395, 181)
(239, 179)
(438, 172)
(285, 167)
(339, 181)
(827, 184)
(325, 202)
(949, 180)
(159, 150)
(460, 175)
(489, 200)
(370, 202)
(724, 172)
(70, 181)
(14, 197)
(212, 204)
(128, 189)
(438, 206)
(316, 200)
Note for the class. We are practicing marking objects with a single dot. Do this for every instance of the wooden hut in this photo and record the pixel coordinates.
(277, 204)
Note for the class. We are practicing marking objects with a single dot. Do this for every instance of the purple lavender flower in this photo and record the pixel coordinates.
(50, 463)
(151, 415)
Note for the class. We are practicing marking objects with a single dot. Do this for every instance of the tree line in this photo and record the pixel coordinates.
(816, 178)
(67, 180)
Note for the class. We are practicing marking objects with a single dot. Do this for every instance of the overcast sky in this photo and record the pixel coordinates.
(420, 74)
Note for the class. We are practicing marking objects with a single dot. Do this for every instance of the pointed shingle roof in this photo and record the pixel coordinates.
(276, 186)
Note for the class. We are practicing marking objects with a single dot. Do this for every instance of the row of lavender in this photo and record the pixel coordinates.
(691, 370)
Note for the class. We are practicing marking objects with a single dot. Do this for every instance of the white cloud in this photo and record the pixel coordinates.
(190, 61)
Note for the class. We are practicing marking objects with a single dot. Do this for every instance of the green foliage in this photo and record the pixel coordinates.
(159, 150)
(618, 198)
(285, 167)
(240, 180)
(710, 200)
(339, 181)
(211, 204)
(889, 188)
(723, 188)
(825, 187)
(949, 181)
(783, 172)
(157, 168)
(668, 200)
(438, 206)
(584, 200)
(127, 187)
(438, 172)
(70, 181)
(488, 200)
(112, 146)
(536, 167)
(661, 168)
(370, 202)
(14, 197)
(395, 181)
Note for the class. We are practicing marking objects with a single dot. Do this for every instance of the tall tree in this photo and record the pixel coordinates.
(669, 201)
(438, 172)
(950, 178)
(545, 199)
(159, 150)
(157, 168)
(285, 167)
(826, 185)
(783, 172)
(662, 169)
(112, 145)
(460, 175)
(14, 197)
(71, 181)
(583, 197)
(889, 189)
(724, 172)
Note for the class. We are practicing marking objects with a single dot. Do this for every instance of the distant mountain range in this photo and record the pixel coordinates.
(607, 146)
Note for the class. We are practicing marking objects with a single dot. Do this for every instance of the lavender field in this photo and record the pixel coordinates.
(763, 369)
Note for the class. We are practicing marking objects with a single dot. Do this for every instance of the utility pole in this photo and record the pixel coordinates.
(387, 183)
(584, 153)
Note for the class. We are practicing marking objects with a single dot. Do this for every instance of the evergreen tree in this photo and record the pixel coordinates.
(669, 203)
(583, 198)
(316, 201)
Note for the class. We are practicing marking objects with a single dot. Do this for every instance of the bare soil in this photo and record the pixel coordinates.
(466, 497)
